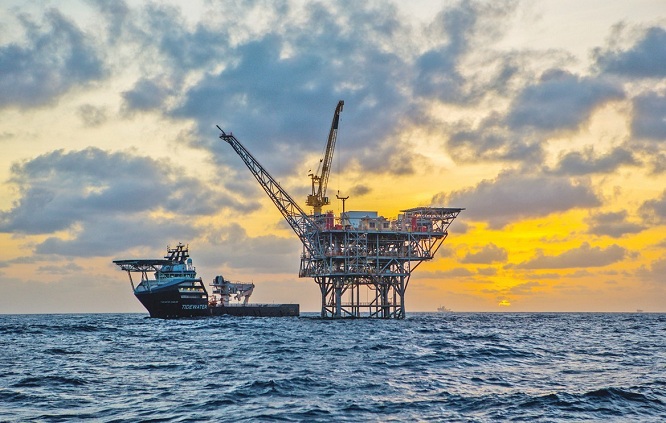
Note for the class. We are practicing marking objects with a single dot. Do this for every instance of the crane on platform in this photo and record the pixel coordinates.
(317, 199)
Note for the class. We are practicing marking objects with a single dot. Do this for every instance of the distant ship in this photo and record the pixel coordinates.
(176, 291)
(443, 309)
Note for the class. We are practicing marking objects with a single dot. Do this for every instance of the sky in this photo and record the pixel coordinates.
(545, 120)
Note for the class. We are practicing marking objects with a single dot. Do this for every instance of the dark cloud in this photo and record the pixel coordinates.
(184, 48)
(146, 94)
(441, 71)
(487, 271)
(649, 117)
(613, 224)
(586, 162)
(658, 162)
(360, 190)
(560, 101)
(513, 196)
(654, 211)
(437, 69)
(106, 199)
(115, 16)
(55, 57)
(92, 115)
(645, 59)
(490, 253)
(275, 101)
(458, 226)
(583, 256)
(162, 35)
(655, 273)
(493, 140)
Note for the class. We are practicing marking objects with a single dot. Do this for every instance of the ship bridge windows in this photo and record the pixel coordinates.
(191, 289)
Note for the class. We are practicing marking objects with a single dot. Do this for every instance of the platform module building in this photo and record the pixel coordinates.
(363, 265)
(360, 260)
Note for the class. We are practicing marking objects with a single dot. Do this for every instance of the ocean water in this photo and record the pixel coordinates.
(458, 367)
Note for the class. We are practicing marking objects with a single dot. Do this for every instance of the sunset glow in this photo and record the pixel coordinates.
(547, 126)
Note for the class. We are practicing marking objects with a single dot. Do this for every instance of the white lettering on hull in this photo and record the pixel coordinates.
(194, 306)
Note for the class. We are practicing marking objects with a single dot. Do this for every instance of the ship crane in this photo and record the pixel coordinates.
(317, 199)
(371, 253)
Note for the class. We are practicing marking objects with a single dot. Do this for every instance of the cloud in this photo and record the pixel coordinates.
(493, 140)
(654, 211)
(459, 33)
(437, 69)
(263, 254)
(116, 17)
(101, 236)
(66, 269)
(92, 115)
(182, 46)
(360, 190)
(586, 162)
(285, 79)
(583, 256)
(488, 254)
(456, 272)
(513, 196)
(613, 224)
(56, 57)
(560, 101)
(104, 199)
(487, 271)
(525, 288)
(658, 162)
(645, 59)
(146, 94)
(649, 117)
(655, 272)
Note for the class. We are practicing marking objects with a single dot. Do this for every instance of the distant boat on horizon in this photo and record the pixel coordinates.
(443, 309)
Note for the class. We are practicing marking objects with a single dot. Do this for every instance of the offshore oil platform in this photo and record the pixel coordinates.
(359, 250)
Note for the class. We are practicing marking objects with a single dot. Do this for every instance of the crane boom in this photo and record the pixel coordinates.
(318, 198)
(304, 226)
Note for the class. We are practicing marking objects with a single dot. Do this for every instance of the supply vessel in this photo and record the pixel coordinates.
(176, 291)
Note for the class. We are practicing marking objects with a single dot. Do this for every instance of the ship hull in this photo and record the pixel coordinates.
(169, 303)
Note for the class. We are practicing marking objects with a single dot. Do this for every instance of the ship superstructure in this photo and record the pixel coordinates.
(361, 261)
